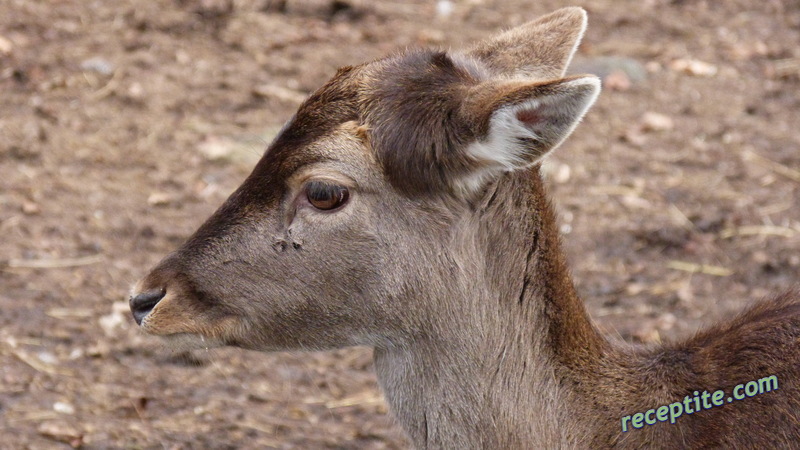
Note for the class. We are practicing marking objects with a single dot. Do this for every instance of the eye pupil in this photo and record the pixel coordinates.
(326, 196)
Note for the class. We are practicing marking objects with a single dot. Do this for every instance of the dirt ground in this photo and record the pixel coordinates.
(124, 124)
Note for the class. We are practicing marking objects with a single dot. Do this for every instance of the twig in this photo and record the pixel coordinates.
(108, 88)
(716, 271)
(678, 214)
(38, 365)
(54, 263)
(778, 168)
(787, 66)
(758, 230)
(358, 399)
(624, 191)
(69, 313)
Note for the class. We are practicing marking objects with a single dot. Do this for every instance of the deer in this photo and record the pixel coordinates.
(403, 208)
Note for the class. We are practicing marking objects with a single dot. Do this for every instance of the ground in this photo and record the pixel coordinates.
(124, 124)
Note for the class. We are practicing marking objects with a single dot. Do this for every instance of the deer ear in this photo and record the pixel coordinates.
(540, 49)
(517, 123)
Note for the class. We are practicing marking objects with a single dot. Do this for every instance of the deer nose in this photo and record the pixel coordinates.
(144, 302)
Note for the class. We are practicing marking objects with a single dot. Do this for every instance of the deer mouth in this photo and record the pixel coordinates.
(182, 319)
(186, 334)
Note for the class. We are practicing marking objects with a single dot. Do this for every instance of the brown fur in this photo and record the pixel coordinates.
(480, 338)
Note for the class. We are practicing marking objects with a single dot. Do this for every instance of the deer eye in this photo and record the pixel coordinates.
(326, 196)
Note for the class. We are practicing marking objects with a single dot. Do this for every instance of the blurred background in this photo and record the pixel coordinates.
(124, 124)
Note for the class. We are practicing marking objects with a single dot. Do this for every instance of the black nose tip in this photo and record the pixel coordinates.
(143, 303)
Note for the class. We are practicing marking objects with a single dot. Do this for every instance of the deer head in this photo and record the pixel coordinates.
(363, 223)
(401, 208)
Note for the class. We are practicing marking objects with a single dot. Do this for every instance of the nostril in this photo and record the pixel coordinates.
(143, 303)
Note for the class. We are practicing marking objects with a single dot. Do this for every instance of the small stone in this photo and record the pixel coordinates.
(760, 257)
(61, 432)
(444, 8)
(182, 57)
(653, 121)
(666, 321)
(605, 66)
(430, 37)
(110, 323)
(562, 173)
(617, 81)
(100, 350)
(634, 136)
(5, 46)
(653, 66)
(693, 67)
(647, 333)
(47, 358)
(216, 148)
(784, 68)
(63, 408)
(30, 208)
(159, 199)
(243, 149)
(135, 90)
(121, 307)
(279, 93)
(99, 65)
(632, 201)
(685, 294)
(635, 288)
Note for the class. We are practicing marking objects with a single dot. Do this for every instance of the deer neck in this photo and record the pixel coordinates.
(498, 370)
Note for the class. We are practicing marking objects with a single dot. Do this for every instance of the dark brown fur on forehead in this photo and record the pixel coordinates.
(331, 105)
(412, 108)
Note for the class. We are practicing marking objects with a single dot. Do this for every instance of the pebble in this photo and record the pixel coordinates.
(243, 149)
(61, 432)
(5, 46)
(693, 67)
(562, 173)
(159, 199)
(653, 121)
(216, 148)
(617, 72)
(279, 93)
(136, 91)
(431, 37)
(63, 408)
(30, 208)
(99, 65)
(116, 320)
(444, 8)
(666, 321)
(617, 81)
(647, 333)
(47, 358)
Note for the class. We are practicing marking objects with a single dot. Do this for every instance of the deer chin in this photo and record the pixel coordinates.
(191, 341)
(189, 338)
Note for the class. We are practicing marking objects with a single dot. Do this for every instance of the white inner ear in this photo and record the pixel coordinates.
(521, 135)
